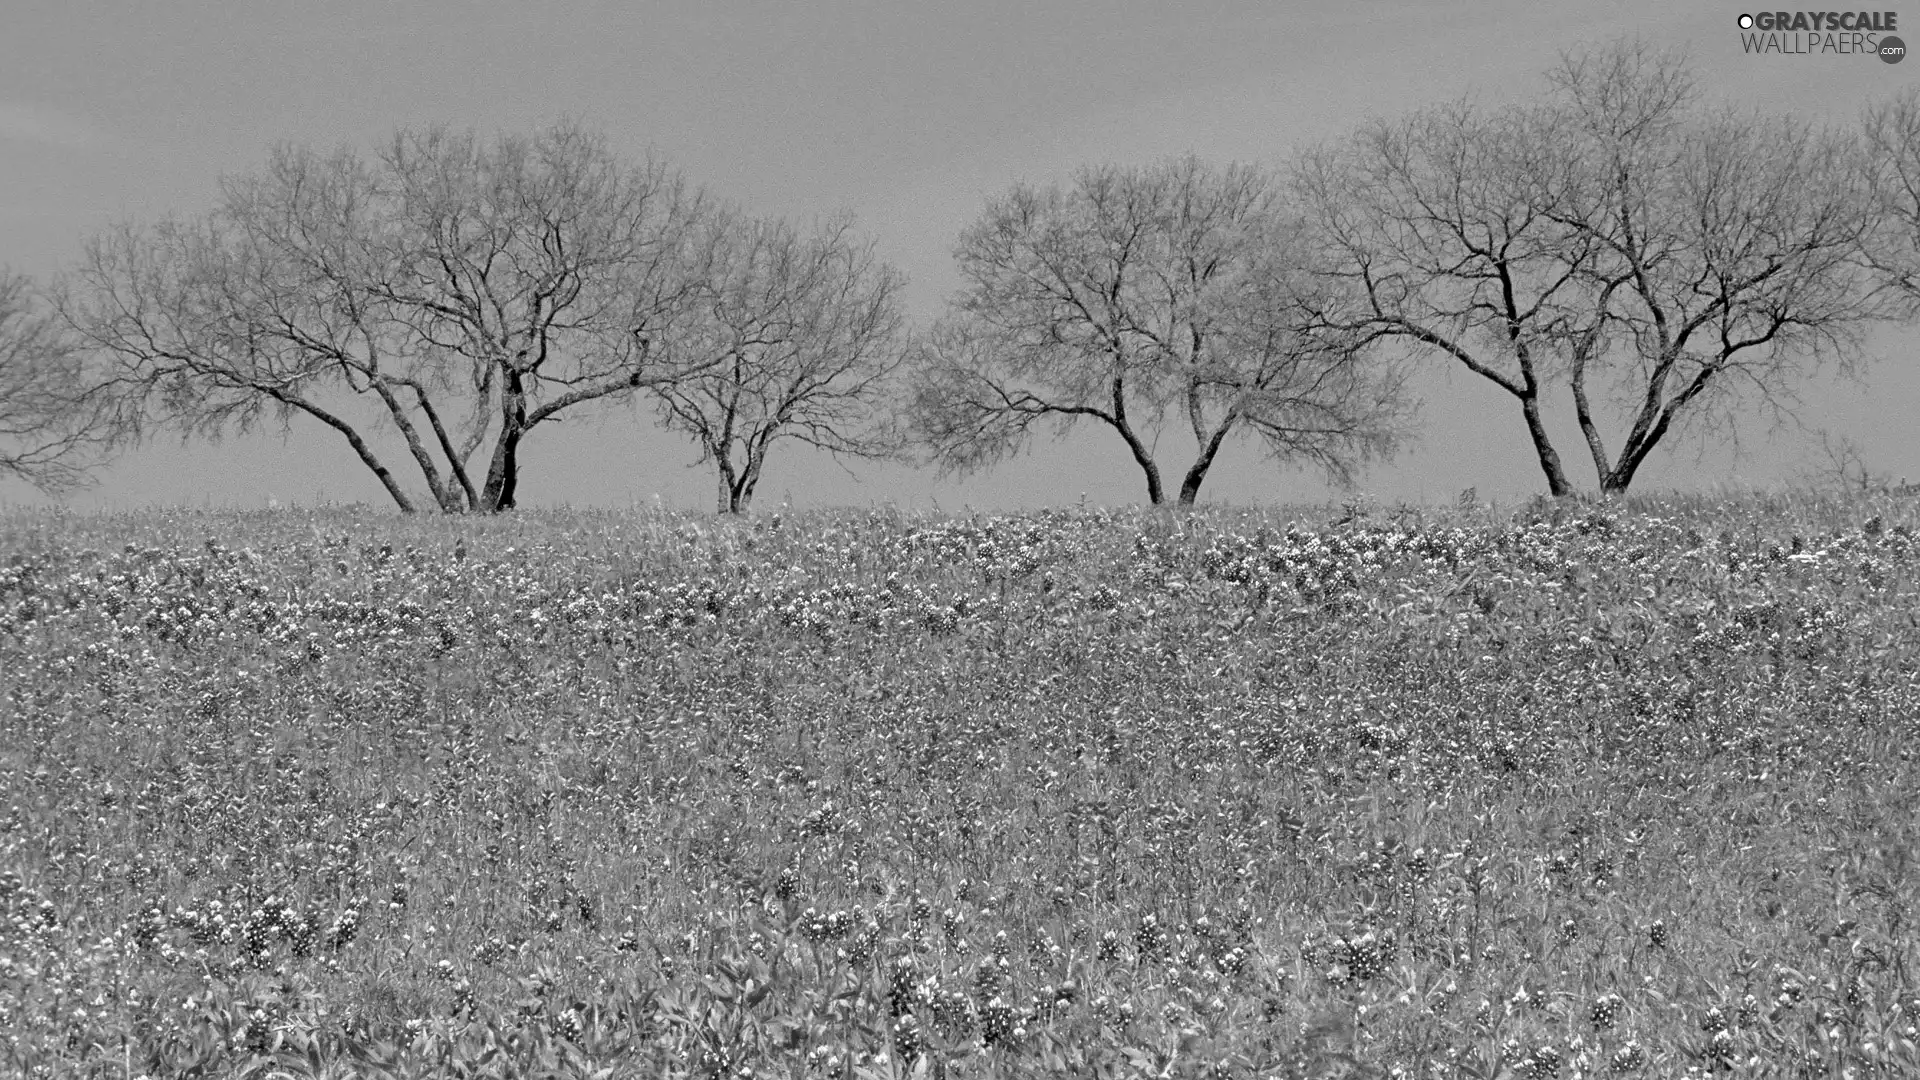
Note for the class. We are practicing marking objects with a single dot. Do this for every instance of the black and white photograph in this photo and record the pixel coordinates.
(861, 540)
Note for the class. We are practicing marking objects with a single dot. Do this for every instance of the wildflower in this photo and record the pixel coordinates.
(1366, 956)
(1657, 933)
(990, 977)
(1791, 990)
(257, 929)
(301, 931)
(907, 1037)
(259, 1028)
(1720, 1047)
(1419, 865)
(1149, 938)
(1605, 1012)
(860, 953)
(996, 1022)
(1234, 961)
(813, 925)
(344, 927)
(900, 986)
(492, 950)
(951, 1011)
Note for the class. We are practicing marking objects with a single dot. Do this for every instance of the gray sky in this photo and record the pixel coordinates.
(909, 114)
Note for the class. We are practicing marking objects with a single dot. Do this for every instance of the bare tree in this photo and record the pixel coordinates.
(1135, 294)
(1892, 136)
(51, 434)
(1844, 467)
(1440, 225)
(808, 332)
(1727, 252)
(1605, 236)
(469, 291)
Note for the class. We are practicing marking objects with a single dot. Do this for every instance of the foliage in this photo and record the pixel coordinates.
(1571, 790)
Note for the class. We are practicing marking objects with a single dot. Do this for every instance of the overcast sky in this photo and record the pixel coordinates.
(908, 114)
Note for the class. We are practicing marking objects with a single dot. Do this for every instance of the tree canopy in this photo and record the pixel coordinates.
(1138, 294)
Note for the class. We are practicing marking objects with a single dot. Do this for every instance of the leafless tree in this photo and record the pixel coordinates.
(1843, 466)
(1892, 135)
(470, 291)
(1139, 293)
(1439, 224)
(1610, 236)
(51, 435)
(809, 332)
(1727, 244)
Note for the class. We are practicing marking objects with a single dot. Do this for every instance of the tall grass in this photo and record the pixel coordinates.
(1551, 790)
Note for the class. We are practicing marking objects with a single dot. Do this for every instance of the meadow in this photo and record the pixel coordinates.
(1559, 790)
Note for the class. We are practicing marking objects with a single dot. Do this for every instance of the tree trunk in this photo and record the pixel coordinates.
(1652, 426)
(1155, 495)
(510, 483)
(504, 473)
(1549, 458)
(1118, 419)
(750, 479)
(1197, 472)
(1617, 481)
(380, 471)
(442, 493)
(1584, 412)
(727, 503)
(360, 447)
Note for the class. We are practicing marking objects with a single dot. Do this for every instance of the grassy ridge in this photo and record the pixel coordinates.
(1565, 791)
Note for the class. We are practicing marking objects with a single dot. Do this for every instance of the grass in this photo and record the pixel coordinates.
(1573, 790)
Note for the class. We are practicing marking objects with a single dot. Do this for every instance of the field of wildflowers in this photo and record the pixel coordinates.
(1566, 791)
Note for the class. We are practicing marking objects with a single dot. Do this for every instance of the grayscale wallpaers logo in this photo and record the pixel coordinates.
(1835, 33)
